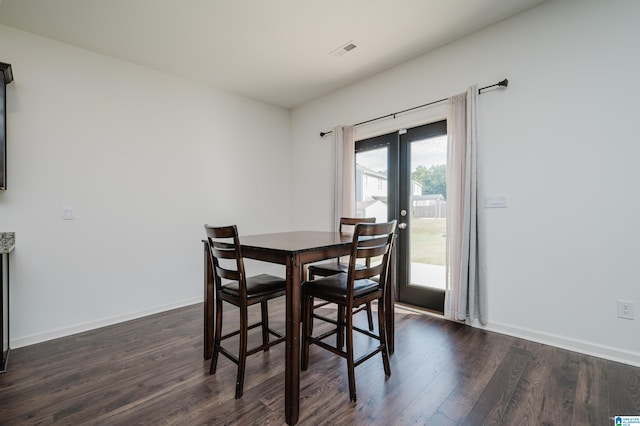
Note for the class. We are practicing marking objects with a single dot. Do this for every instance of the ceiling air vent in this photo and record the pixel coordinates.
(348, 47)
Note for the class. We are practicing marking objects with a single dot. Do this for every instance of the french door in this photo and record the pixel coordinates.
(402, 176)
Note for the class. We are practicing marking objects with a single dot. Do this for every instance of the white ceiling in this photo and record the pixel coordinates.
(277, 51)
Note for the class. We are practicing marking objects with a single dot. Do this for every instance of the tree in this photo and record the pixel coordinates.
(433, 179)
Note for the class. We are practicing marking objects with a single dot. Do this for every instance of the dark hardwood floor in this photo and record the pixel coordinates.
(151, 371)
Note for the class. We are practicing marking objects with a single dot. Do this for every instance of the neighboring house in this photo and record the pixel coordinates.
(371, 193)
(373, 208)
(371, 196)
(370, 184)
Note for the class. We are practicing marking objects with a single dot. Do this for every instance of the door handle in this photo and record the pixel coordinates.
(402, 225)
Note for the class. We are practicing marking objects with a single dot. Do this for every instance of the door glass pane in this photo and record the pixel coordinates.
(371, 184)
(428, 212)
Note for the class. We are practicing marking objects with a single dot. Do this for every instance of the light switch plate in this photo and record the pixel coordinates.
(493, 201)
(67, 213)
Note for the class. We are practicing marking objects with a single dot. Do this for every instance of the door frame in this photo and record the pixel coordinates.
(397, 144)
(432, 299)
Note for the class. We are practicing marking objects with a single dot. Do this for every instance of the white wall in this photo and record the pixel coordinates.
(144, 159)
(561, 141)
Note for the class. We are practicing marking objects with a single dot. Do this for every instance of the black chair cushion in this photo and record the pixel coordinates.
(258, 285)
(335, 287)
(330, 268)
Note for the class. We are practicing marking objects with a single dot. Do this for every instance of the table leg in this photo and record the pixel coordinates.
(208, 304)
(292, 366)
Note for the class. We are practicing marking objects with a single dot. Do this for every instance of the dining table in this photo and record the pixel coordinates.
(294, 250)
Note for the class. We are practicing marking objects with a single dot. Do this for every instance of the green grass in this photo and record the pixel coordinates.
(428, 240)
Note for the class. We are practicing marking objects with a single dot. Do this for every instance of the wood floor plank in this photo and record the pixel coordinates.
(592, 393)
(561, 383)
(624, 389)
(430, 356)
(150, 371)
(496, 396)
(527, 398)
(480, 356)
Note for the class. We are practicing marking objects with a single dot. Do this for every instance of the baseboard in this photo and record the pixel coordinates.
(92, 325)
(575, 345)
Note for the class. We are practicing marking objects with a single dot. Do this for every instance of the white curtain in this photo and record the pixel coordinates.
(345, 174)
(465, 292)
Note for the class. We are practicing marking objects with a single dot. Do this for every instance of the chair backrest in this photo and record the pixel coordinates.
(348, 225)
(226, 256)
(372, 242)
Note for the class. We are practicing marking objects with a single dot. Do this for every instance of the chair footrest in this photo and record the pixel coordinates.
(263, 347)
(355, 328)
(280, 338)
(228, 354)
(317, 341)
(251, 327)
(367, 332)
(365, 357)
(325, 335)
(325, 319)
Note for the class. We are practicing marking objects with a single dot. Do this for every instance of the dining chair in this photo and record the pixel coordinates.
(234, 287)
(341, 265)
(372, 243)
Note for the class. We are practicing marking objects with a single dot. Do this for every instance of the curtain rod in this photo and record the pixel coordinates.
(503, 83)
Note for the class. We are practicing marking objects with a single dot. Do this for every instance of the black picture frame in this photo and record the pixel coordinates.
(7, 78)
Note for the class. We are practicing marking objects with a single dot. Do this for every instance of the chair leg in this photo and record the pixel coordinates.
(265, 324)
(242, 350)
(311, 307)
(370, 316)
(341, 327)
(216, 337)
(350, 362)
(311, 278)
(307, 329)
(383, 337)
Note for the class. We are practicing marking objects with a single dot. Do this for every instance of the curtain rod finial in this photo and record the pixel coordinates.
(504, 83)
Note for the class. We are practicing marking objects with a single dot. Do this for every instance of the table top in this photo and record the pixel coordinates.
(296, 241)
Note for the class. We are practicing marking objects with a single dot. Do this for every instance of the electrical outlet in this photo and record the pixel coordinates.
(627, 309)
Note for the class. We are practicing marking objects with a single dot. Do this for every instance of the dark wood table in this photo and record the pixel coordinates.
(294, 250)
